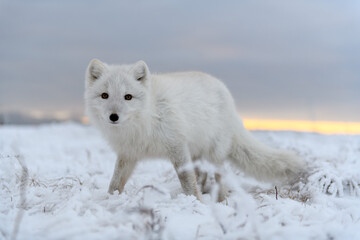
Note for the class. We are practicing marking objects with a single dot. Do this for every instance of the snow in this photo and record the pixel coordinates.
(70, 166)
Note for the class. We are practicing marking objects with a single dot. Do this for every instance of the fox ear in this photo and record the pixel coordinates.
(141, 71)
(94, 71)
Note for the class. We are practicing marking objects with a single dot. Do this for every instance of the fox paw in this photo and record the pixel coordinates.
(114, 187)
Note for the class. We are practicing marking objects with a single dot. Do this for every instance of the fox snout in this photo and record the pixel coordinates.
(113, 117)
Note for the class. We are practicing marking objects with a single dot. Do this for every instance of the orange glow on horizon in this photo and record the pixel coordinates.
(324, 127)
(304, 126)
(84, 120)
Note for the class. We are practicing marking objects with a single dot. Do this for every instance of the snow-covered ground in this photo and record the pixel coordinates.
(70, 166)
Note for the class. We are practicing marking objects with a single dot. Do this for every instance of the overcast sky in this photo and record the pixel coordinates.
(280, 59)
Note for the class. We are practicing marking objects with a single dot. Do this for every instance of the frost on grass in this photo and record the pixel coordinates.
(69, 168)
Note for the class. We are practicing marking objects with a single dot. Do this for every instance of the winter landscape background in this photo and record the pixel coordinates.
(284, 60)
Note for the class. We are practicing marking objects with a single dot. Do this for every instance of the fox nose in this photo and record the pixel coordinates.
(114, 117)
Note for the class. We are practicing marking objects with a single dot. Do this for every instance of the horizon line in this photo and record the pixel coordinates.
(322, 126)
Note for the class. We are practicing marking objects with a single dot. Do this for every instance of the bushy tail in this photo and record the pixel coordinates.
(261, 161)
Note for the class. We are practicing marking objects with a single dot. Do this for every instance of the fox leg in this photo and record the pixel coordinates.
(222, 189)
(180, 158)
(201, 177)
(122, 172)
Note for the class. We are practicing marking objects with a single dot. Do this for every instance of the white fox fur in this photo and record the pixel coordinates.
(183, 117)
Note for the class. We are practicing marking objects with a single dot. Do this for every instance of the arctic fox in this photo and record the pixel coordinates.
(184, 117)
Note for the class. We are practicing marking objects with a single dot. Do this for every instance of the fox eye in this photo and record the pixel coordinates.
(104, 95)
(128, 97)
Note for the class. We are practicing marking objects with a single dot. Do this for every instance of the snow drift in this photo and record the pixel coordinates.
(54, 180)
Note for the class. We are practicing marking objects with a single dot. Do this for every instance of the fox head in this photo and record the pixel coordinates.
(116, 94)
